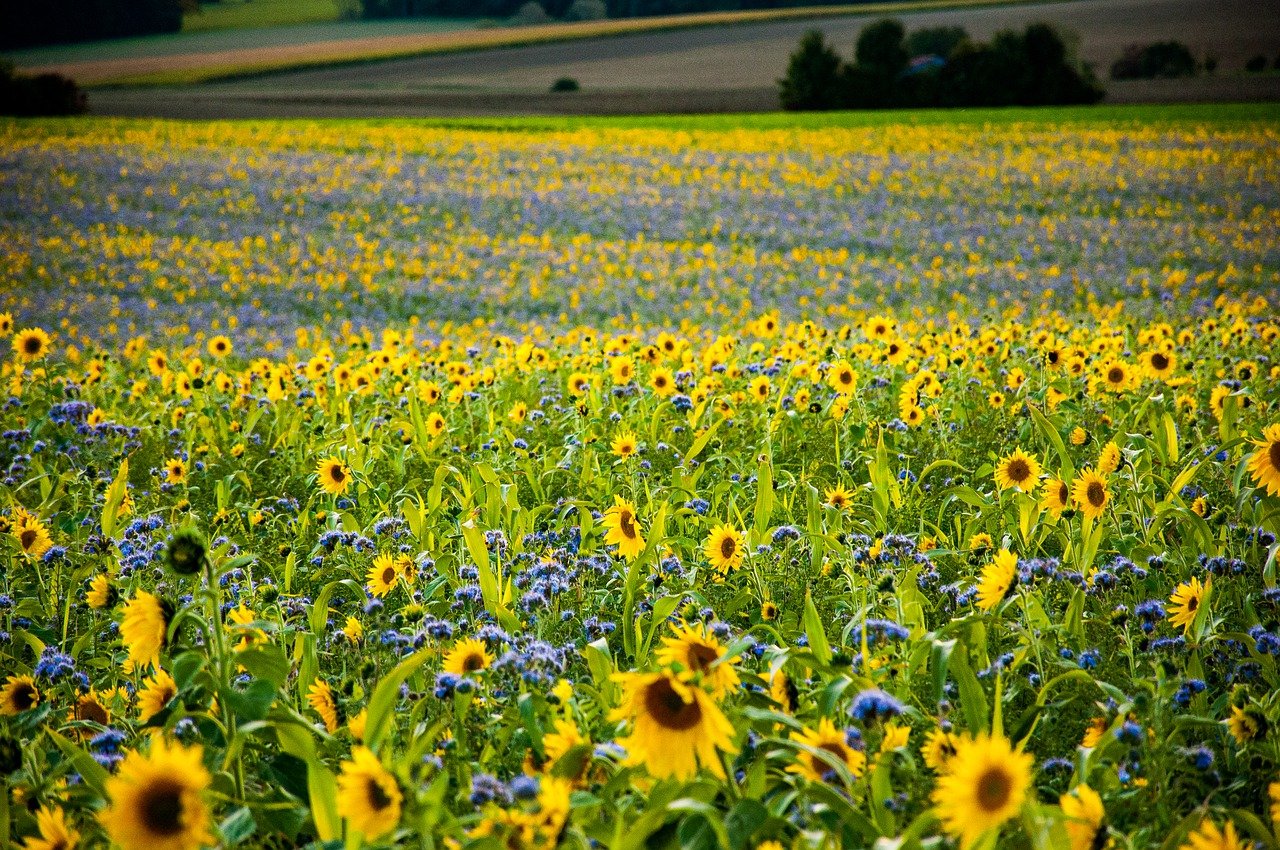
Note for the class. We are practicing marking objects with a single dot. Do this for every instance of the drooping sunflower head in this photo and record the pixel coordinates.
(322, 701)
(1057, 496)
(783, 691)
(467, 657)
(1018, 470)
(369, 796)
(156, 800)
(334, 476)
(985, 786)
(155, 695)
(144, 627)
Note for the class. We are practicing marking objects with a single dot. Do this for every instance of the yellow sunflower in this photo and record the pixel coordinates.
(1019, 470)
(1084, 814)
(783, 691)
(842, 378)
(579, 384)
(1264, 463)
(1109, 459)
(156, 800)
(724, 549)
(1209, 837)
(101, 592)
(1116, 376)
(32, 536)
(1057, 496)
(1091, 494)
(939, 748)
(623, 528)
(382, 575)
(19, 694)
(838, 497)
(1247, 724)
(998, 578)
(30, 344)
(467, 656)
(90, 707)
(144, 628)
(175, 471)
(334, 476)
(1186, 601)
(662, 382)
(54, 831)
(368, 795)
(675, 727)
(219, 346)
(985, 785)
(697, 651)
(1159, 363)
(155, 695)
(624, 445)
(320, 698)
(830, 740)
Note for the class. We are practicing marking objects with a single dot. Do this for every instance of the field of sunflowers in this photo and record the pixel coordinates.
(903, 481)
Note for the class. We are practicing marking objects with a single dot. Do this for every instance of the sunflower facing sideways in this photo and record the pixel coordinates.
(696, 650)
(1057, 496)
(334, 476)
(1084, 814)
(1186, 600)
(623, 528)
(998, 578)
(1019, 471)
(1091, 494)
(1264, 463)
(54, 831)
(368, 795)
(156, 799)
(724, 549)
(467, 656)
(144, 627)
(985, 785)
(830, 740)
(1209, 837)
(674, 726)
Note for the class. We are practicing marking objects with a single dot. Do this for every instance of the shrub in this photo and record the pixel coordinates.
(530, 14)
(881, 48)
(587, 10)
(1162, 59)
(813, 75)
(565, 84)
(46, 94)
(936, 41)
(1256, 64)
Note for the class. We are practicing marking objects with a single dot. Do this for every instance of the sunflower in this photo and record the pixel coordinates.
(219, 346)
(1208, 837)
(842, 378)
(54, 831)
(624, 445)
(467, 656)
(838, 497)
(768, 611)
(90, 708)
(436, 424)
(624, 528)
(30, 344)
(760, 388)
(101, 594)
(878, 327)
(1078, 436)
(1084, 814)
(32, 536)
(1091, 494)
(985, 785)
(579, 384)
(1116, 376)
(697, 651)
(368, 795)
(382, 575)
(156, 695)
(674, 726)
(622, 370)
(1247, 724)
(832, 741)
(1109, 458)
(1057, 496)
(1159, 364)
(998, 578)
(1186, 601)
(144, 628)
(1019, 470)
(662, 382)
(1274, 791)
(334, 476)
(724, 549)
(320, 698)
(939, 748)
(156, 801)
(19, 694)
(6, 324)
(783, 691)
(1264, 463)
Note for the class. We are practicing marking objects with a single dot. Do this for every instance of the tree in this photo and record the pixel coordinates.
(813, 75)
(881, 49)
(935, 41)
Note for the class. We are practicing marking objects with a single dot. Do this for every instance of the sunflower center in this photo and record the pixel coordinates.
(161, 808)
(701, 657)
(32, 345)
(1019, 470)
(473, 662)
(1064, 493)
(27, 537)
(378, 798)
(24, 697)
(1096, 494)
(1160, 361)
(91, 710)
(660, 382)
(727, 547)
(1115, 375)
(665, 705)
(1273, 452)
(337, 474)
(1192, 604)
(994, 790)
(626, 524)
(835, 749)
(388, 575)
(846, 377)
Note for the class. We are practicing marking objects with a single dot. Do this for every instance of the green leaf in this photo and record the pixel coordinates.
(815, 631)
(93, 774)
(265, 662)
(253, 702)
(383, 702)
(115, 498)
(973, 701)
(237, 827)
(1066, 469)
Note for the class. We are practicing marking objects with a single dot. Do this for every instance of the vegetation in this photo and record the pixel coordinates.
(1031, 68)
(247, 14)
(1162, 59)
(783, 482)
(25, 24)
(42, 94)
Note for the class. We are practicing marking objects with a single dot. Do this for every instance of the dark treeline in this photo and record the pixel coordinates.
(558, 8)
(936, 68)
(28, 23)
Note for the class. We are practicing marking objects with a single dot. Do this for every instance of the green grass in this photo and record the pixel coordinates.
(247, 14)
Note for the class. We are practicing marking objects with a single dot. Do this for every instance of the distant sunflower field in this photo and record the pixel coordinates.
(904, 482)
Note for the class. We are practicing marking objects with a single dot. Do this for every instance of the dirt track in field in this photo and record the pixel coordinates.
(718, 69)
